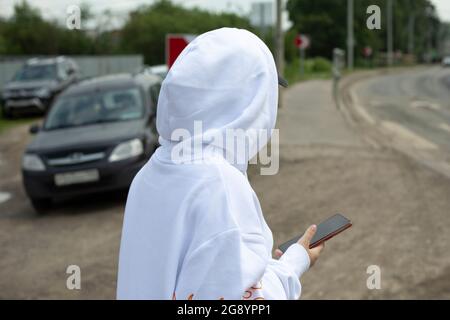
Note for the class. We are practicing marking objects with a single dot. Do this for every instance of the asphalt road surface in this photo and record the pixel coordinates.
(412, 107)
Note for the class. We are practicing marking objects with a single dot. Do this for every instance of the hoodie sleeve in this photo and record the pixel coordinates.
(233, 266)
(281, 280)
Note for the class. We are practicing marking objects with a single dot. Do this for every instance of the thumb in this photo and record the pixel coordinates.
(309, 234)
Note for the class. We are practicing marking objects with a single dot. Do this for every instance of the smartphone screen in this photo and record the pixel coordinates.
(325, 231)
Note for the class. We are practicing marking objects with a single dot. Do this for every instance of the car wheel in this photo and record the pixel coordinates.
(41, 205)
(6, 113)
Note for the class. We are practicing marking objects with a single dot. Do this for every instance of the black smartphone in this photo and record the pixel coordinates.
(325, 231)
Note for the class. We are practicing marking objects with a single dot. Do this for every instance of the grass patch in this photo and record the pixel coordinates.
(6, 124)
(316, 68)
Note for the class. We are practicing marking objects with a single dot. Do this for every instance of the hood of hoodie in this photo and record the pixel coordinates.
(224, 82)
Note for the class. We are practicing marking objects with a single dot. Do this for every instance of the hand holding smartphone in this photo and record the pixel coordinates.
(325, 231)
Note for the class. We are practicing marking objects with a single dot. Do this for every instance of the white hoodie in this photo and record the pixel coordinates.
(193, 229)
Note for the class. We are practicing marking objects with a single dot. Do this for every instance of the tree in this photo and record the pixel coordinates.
(326, 23)
(28, 33)
(146, 28)
(322, 20)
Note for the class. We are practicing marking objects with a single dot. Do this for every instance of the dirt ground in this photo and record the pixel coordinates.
(400, 216)
(36, 250)
(399, 208)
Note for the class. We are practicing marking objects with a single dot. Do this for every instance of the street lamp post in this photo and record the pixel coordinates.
(429, 13)
(279, 45)
(411, 28)
(350, 35)
(390, 33)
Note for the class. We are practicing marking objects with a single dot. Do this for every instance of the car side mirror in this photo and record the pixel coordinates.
(70, 72)
(35, 128)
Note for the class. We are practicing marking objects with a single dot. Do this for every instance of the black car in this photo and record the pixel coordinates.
(96, 137)
(36, 84)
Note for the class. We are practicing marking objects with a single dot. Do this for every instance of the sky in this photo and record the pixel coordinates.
(443, 8)
(56, 8)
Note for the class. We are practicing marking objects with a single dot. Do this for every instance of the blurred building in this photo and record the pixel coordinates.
(263, 16)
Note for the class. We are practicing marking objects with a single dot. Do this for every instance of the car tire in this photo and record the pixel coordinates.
(41, 205)
(6, 113)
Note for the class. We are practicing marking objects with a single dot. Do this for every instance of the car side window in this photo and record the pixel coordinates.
(154, 95)
(71, 67)
(62, 73)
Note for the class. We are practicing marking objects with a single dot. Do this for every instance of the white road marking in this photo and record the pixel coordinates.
(4, 196)
(363, 113)
(425, 105)
(444, 127)
(361, 110)
(408, 136)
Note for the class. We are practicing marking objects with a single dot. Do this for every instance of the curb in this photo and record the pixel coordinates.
(372, 131)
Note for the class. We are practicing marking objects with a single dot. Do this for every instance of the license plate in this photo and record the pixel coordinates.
(20, 103)
(65, 179)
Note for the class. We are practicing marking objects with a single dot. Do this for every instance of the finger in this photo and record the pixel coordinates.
(309, 234)
(317, 250)
(278, 253)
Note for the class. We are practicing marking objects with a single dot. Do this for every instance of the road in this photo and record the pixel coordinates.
(399, 208)
(413, 109)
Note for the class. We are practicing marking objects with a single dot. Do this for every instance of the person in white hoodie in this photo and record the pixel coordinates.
(193, 226)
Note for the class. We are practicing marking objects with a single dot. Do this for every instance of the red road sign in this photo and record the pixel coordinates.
(298, 41)
(367, 51)
(302, 41)
(175, 44)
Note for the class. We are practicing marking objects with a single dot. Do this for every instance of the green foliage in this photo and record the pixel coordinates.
(322, 21)
(319, 65)
(6, 124)
(315, 68)
(325, 21)
(146, 28)
(27, 33)
(291, 52)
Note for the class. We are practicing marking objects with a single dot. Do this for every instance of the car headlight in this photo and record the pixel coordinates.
(32, 162)
(42, 92)
(128, 149)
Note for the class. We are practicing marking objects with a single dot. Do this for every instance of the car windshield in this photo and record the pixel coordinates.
(37, 72)
(96, 107)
